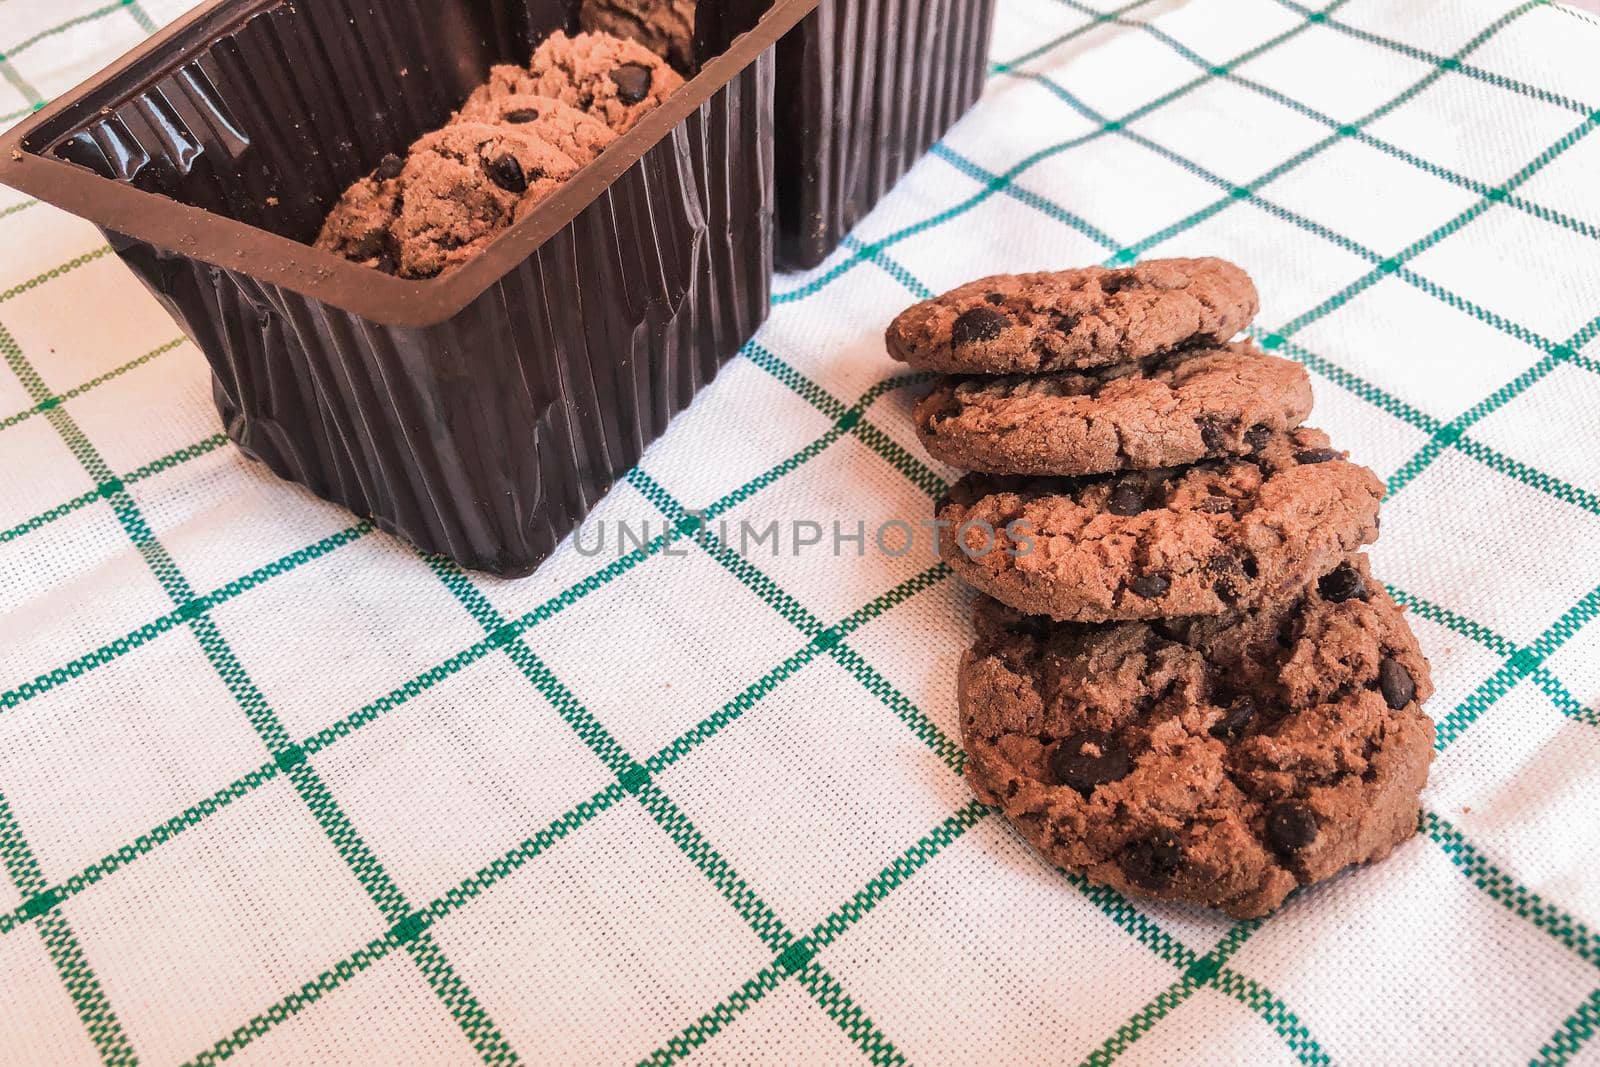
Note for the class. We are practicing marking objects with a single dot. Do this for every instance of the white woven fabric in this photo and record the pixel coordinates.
(710, 807)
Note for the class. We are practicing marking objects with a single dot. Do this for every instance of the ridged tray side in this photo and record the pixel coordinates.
(867, 87)
(489, 437)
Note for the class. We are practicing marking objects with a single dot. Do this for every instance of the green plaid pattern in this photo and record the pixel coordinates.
(272, 785)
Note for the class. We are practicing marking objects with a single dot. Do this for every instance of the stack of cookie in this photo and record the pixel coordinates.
(1187, 683)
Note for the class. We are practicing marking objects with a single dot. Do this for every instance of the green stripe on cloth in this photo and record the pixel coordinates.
(1575, 1030)
(1211, 970)
(9, 53)
(307, 995)
(187, 819)
(53, 273)
(1444, 435)
(1142, 1022)
(796, 615)
(88, 998)
(16, 209)
(1519, 664)
(794, 956)
(713, 1022)
(93, 383)
(1099, 19)
(1261, 1000)
(76, 668)
(1282, 1020)
(136, 10)
(334, 822)
(456, 663)
(895, 875)
(1467, 69)
(801, 960)
(1355, 130)
(1505, 890)
(634, 778)
(848, 1016)
(21, 85)
(1393, 263)
(1003, 181)
(8, 116)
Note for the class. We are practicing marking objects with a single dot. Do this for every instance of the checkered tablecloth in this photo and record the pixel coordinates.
(273, 786)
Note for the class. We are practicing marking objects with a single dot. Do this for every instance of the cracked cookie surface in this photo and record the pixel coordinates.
(514, 142)
(458, 189)
(616, 81)
(1221, 761)
(572, 132)
(1075, 319)
(1201, 540)
(1169, 410)
(666, 27)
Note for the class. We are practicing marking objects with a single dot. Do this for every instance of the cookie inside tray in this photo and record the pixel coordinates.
(285, 108)
(518, 138)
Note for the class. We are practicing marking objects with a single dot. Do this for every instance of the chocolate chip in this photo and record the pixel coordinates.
(1083, 771)
(1240, 714)
(1289, 631)
(1117, 281)
(1211, 436)
(1150, 586)
(1396, 683)
(1290, 827)
(389, 168)
(521, 117)
(506, 172)
(1038, 627)
(1127, 497)
(370, 245)
(979, 324)
(1256, 437)
(632, 81)
(386, 264)
(996, 298)
(1342, 583)
(1151, 862)
(948, 408)
(1316, 455)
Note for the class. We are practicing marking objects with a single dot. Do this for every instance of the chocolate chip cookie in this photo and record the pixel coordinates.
(614, 80)
(575, 134)
(666, 27)
(1075, 319)
(1220, 761)
(514, 142)
(457, 190)
(1168, 410)
(1217, 536)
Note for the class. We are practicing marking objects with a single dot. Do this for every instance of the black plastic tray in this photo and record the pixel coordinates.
(865, 87)
(480, 414)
